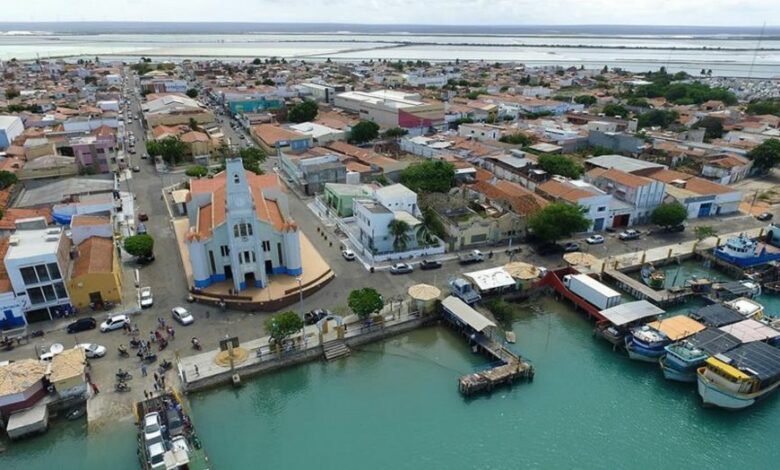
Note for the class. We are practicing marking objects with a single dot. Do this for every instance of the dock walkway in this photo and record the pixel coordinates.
(643, 292)
(511, 368)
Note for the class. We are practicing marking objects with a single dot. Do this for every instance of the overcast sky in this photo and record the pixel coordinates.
(545, 12)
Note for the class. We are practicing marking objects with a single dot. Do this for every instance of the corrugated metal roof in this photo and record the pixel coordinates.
(630, 312)
(750, 330)
(466, 314)
(758, 359)
(713, 341)
(716, 315)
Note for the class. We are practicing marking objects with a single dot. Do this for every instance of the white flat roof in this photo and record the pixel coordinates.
(34, 243)
(492, 278)
(466, 314)
(750, 330)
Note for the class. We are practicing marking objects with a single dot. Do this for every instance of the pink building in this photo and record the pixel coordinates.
(98, 152)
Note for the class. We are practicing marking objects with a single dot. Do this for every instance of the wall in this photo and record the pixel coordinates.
(108, 284)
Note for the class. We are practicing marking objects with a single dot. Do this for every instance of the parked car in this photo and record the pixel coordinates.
(144, 156)
(430, 264)
(136, 169)
(180, 443)
(143, 217)
(629, 234)
(175, 426)
(82, 324)
(401, 268)
(114, 323)
(571, 246)
(146, 298)
(182, 315)
(310, 318)
(765, 216)
(595, 239)
(92, 350)
(144, 260)
(152, 426)
(348, 255)
(675, 228)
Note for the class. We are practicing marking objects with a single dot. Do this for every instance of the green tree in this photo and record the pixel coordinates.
(764, 107)
(364, 131)
(7, 179)
(713, 127)
(194, 124)
(171, 149)
(657, 118)
(251, 157)
(516, 139)
(638, 102)
(395, 132)
(11, 93)
(431, 225)
(282, 325)
(704, 231)
(556, 221)
(400, 232)
(587, 100)
(192, 93)
(669, 214)
(615, 110)
(560, 165)
(197, 171)
(765, 156)
(303, 112)
(268, 82)
(141, 245)
(429, 176)
(363, 302)
(257, 61)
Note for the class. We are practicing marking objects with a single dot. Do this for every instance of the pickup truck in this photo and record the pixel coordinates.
(474, 256)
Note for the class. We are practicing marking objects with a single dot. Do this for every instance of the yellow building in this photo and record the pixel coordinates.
(95, 275)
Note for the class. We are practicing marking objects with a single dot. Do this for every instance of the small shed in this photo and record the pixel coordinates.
(67, 373)
(490, 281)
(424, 297)
(466, 317)
(180, 198)
(30, 421)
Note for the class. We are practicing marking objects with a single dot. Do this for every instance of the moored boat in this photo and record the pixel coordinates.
(716, 315)
(655, 278)
(647, 343)
(746, 252)
(618, 320)
(684, 357)
(748, 308)
(738, 378)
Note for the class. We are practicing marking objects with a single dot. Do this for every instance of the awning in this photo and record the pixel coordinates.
(677, 327)
(466, 314)
(750, 330)
(623, 314)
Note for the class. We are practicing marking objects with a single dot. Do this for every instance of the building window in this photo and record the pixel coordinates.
(36, 295)
(48, 292)
(224, 250)
(602, 208)
(266, 246)
(28, 275)
(43, 274)
(54, 271)
(59, 288)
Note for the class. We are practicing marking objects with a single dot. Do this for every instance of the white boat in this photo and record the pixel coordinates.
(738, 378)
(748, 308)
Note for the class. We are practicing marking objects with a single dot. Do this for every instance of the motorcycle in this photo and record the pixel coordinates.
(36, 333)
(123, 352)
(162, 344)
(196, 344)
(149, 358)
(135, 343)
(122, 387)
(165, 365)
(123, 375)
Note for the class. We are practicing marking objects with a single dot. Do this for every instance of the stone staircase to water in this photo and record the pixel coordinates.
(335, 349)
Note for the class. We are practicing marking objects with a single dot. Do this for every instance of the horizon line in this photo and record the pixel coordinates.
(504, 25)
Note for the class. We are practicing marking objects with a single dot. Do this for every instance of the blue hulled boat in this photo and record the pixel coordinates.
(648, 342)
(684, 357)
(746, 252)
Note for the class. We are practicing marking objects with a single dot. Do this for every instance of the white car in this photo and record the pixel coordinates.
(348, 255)
(114, 323)
(152, 427)
(92, 350)
(180, 443)
(146, 298)
(182, 315)
(595, 240)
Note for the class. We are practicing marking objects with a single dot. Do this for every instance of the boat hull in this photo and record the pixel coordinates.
(747, 262)
(644, 352)
(687, 375)
(712, 395)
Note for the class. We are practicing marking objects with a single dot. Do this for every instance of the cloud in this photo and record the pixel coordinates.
(476, 12)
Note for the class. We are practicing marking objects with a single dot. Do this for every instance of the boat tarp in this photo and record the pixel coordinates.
(717, 315)
(713, 341)
(466, 314)
(677, 327)
(758, 359)
(629, 312)
(750, 330)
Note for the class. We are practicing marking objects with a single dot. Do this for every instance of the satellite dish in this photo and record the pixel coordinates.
(56, 348)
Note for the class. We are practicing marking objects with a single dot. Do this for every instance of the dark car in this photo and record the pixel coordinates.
(675, 228)
(144, 260)
(310, 318)
(82, 324)
(143, 216)
(430, 264)
(545, 249)
(765, 216)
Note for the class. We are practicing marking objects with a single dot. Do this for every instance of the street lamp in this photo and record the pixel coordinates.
(303, 328)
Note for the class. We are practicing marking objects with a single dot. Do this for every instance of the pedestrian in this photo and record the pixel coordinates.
(162, 381)
(158, 335)
(160, 323)
(197, 372)
(95, 389)
(173, 333)
(156, 377)
(146, 394)
(151, 337)
(156, 387)
(143, 370)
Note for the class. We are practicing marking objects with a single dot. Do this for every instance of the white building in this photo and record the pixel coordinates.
(481, 131)
(374, 215)
(323, 92)
(36, 262)
(10, 128)
(642, 194)
(398, 197)
(390, 108)
(597, 204)
(320, 134)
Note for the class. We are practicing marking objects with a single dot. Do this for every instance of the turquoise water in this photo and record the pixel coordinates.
(395, 405)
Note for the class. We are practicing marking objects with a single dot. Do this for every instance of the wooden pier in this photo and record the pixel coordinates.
(643, 292)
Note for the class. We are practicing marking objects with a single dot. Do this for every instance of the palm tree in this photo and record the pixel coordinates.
(428, 222)
(400, 232)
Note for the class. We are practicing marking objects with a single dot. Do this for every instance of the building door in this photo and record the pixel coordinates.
(95, 298)
(598, 225)
(704, 210)
(228, 272)
(269, 267)
(249, 278)
(621, 220)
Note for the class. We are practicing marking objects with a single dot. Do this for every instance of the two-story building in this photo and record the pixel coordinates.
(595, 202)
(643, 194)
(274, 139)
(240, 229)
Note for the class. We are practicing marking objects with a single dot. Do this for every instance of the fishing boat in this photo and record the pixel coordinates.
(739, 378)
(746, 252)
(748, 308)
(684, 357)
(723, 291)
(647, 342)
(716, 315)
(618, 320)
(654, 278)
(166, 437)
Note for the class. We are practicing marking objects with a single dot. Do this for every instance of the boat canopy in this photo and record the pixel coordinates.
(716, 315)
(677, 327)
(756, 359)
(750, 330)
(725, 367)
(466, 314)
(714, 341)
(630, 312)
